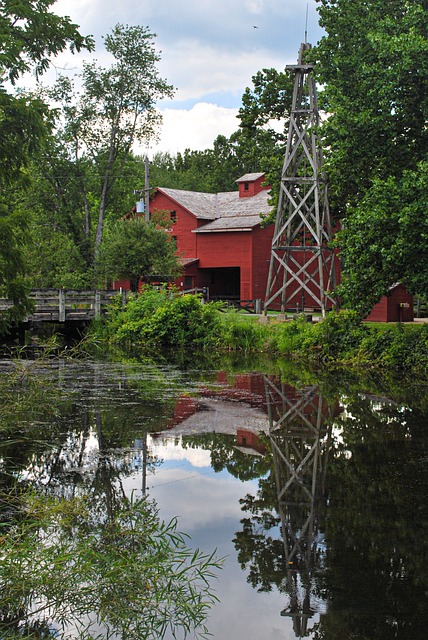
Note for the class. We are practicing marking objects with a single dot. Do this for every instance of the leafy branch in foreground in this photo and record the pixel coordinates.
(66, 571)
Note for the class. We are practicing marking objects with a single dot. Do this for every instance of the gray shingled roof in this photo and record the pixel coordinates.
(250, 177)
(202, 205)
(226, 211)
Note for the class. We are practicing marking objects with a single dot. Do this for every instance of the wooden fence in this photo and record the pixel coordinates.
(66, 305)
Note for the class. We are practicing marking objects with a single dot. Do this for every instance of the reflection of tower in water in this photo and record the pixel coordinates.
(300, 436)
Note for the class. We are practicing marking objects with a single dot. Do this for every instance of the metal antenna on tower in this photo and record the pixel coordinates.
(306, 24)
(302, 264)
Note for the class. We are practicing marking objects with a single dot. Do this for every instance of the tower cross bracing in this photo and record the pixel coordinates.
(302, 264)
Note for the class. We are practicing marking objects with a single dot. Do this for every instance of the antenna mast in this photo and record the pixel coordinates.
(306, 24)
(302, 265)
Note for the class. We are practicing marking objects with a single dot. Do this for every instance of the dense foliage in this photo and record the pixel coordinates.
(373, 66)
(342, 338)
(133, 248)
(131, 575)
(65, 152)
(161, 319)
(31, 35)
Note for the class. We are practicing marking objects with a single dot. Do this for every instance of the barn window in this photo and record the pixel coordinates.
(246, 186)
(173, 216)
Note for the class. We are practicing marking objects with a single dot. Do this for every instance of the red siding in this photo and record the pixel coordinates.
(228, 249)
(183, 225)
(250, 188)
(262, 243)
(397, 306)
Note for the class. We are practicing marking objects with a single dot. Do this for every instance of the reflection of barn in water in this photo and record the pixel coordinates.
(233, 405)
(237, 405)
(297, 423)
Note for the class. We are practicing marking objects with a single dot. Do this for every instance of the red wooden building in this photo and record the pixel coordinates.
(396, 306)
(219, 238)
(224, 248)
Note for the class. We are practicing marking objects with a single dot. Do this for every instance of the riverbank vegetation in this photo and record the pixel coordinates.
(156, 320)
(70, 572)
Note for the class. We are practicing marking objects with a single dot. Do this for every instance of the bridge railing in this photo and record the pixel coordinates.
(62, 305)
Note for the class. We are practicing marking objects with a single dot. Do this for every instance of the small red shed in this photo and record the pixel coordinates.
(396, 306)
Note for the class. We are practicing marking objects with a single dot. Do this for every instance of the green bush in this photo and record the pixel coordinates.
(182, 321)
(397, 346)
(164, 319)
(291, 336)
(337, 337)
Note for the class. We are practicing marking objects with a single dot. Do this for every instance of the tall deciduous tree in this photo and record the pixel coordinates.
(373, 64)
(115, 109)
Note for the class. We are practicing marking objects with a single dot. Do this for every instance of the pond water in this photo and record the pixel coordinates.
(313, 487)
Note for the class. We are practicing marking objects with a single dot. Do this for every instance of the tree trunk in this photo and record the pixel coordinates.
(103, 200)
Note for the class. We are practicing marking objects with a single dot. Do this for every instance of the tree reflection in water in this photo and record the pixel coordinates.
(339, 523)
(80, 557)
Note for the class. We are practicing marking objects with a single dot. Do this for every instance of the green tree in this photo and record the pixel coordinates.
(56, 206)
(373, 66)
(114, 110)
(31, 34)
(133, 249)
(385, 239)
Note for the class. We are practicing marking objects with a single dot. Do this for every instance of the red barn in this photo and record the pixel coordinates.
(224, 248)
(396, 306)
(219, 237)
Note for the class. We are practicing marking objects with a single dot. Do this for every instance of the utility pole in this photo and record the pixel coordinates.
(302, 265)
(143, 205)
(146, 189)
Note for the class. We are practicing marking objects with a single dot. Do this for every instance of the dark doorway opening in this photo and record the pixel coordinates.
(224, 283)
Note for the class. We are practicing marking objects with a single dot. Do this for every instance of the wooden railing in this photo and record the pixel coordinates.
(249, 306)
(64, 305)
(420, 308)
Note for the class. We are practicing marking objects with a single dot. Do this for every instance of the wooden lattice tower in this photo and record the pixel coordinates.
(300, 437)
(302, 269)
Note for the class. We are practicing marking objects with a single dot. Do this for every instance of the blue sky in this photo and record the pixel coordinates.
(210, 49)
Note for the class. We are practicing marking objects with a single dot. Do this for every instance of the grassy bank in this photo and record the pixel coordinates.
(159, 320)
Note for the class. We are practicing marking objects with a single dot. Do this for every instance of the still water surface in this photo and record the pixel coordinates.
(314, 488)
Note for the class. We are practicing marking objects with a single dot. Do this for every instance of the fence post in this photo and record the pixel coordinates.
(61, 305)
(97, 304)
(258, 306)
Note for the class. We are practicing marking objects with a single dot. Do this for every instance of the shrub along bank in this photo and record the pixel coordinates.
(162, 320)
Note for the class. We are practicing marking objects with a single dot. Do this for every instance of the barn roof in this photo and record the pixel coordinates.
(202, 205)
(222, 211)
(250, 177)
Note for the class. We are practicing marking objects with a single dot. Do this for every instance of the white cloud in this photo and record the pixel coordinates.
(194, 128)
(209, 51)
(170, 450)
